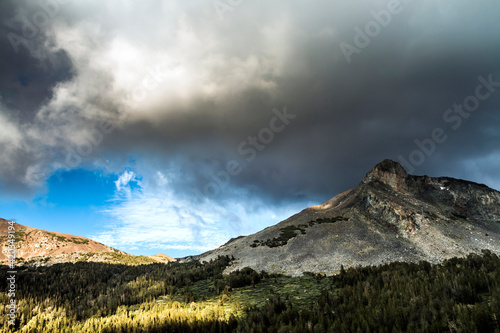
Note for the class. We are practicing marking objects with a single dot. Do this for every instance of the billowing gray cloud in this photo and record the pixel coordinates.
(187, 91)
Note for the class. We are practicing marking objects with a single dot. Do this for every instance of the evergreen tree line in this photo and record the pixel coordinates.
(460, 295)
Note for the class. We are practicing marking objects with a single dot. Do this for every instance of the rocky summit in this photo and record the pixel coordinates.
(390, 216)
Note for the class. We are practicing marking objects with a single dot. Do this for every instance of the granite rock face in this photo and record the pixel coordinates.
(390, 216)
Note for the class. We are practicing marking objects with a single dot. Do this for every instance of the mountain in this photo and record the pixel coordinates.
(160, 257)
(390, 216)
(40, 247)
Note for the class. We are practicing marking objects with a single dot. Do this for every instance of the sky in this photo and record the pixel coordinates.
(173, 126)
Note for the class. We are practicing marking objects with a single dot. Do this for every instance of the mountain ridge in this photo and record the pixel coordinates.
(389, 216)
(37, 247)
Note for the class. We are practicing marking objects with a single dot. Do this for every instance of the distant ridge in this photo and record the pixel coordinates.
(40, 247)
(32, 242)
(162, 258)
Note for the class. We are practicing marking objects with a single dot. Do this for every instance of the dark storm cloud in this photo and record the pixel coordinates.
(226, 76)
(26, 80)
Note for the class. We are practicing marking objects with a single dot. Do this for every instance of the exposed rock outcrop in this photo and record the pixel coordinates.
(390, 173)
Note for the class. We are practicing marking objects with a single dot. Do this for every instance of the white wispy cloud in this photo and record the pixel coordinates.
(153, 217)
(123, 187)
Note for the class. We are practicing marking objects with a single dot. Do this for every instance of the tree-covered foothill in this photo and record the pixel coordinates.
(460, 295)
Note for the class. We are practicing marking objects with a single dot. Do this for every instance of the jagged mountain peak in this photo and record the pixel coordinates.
(390, 166)
(388, 172)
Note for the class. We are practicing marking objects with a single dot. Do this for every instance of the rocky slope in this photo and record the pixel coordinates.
(389, 216)
(40, 247)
